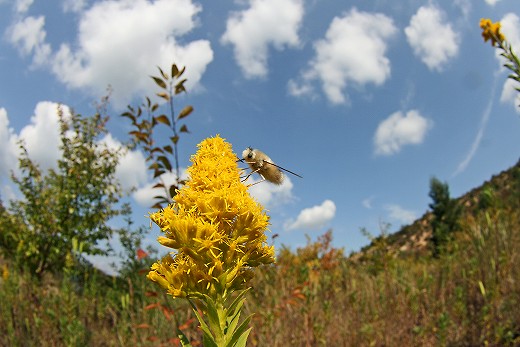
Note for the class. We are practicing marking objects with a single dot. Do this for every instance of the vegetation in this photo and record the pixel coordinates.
(146, 122)
(445, 213)
(451, 278)
(313, 296)
(69, 205)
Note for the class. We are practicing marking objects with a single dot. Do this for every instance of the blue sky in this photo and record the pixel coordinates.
(366, 100)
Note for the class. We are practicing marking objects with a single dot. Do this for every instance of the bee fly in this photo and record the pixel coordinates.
(260, 163)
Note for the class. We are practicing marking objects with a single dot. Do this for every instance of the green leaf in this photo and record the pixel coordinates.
(242, 340)
(213, 316)
(184, 129)
(239, 300)
(184, 340)
(482, 289)
(174, 139)
(168, 149)
(185, 112)
(208, 337)
(159, 82)
(154, 107)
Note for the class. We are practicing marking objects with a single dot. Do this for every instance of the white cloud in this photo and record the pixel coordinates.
(74, 5)
(7, 146)
(510, 27)
(433, 40)
(120, 43)
(21, 6)
(41, 136)
(480, 133)
(399, 214)
(144, 195)
(28, 36)
(269, 194)
(399, 130)
(353, 51)
(265, 23)
(313, 217)
(491, 2)
(367, 203)
(131, 168)
(465, 7)
(42, 141)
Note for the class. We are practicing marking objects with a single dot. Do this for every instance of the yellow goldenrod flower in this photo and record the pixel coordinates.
(491, 31)
(215, 226)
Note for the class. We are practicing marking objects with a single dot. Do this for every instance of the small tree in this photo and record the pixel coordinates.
(71, 204)
(446, 214)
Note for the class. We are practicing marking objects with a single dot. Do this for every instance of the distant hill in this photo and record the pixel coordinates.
(501, 191)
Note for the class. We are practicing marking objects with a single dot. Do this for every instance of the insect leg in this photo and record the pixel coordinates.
(252, 172)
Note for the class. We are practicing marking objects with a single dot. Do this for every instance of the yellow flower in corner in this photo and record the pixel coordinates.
(491, 31)
(215, 226)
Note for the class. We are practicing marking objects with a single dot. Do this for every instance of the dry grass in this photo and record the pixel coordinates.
(314, 296)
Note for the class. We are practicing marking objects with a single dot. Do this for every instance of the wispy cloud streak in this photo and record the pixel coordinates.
(478, 138)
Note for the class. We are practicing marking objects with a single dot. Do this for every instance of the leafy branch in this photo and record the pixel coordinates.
(144, 120)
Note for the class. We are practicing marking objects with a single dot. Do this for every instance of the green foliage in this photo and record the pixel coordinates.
(446, 213)
(144, 119)
(315, 296)
(71, 203)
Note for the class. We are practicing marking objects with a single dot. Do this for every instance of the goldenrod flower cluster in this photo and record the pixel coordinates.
(215, 226)
(491, 31)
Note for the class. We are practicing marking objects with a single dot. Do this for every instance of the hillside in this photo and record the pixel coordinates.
(502, 189)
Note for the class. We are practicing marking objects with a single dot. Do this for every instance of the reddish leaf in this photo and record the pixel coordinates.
(165, 76)
(150, 294)
(185, 112)
(163, 119)
(164, 95)
(141, 254)
(142, 326)
(186, 324)
(149, 307)
(175, 70)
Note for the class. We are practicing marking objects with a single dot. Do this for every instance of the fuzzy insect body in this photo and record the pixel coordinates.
(260, 163)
